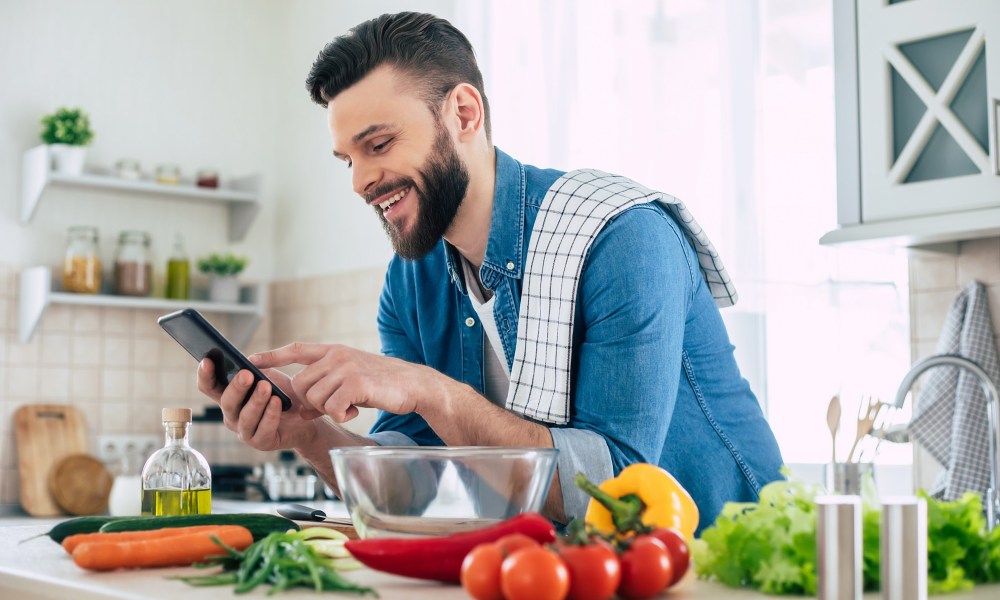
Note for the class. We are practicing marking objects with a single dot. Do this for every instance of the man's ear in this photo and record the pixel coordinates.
(466, 104)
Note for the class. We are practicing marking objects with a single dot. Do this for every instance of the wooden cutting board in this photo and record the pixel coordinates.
(45, 434)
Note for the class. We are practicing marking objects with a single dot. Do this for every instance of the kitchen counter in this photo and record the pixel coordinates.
(41, 569)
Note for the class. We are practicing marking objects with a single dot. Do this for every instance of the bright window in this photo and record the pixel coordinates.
(727, 105)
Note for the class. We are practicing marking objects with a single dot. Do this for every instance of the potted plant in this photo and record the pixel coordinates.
(67, 131)
(222, 270)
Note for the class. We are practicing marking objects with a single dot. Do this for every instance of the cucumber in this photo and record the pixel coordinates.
(260, 525)
(79, 525)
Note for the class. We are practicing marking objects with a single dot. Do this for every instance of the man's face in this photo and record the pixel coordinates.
(404, 162)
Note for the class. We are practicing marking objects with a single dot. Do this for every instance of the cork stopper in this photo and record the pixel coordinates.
(176, 415)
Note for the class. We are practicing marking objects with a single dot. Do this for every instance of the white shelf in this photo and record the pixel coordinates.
(37, 290)
(241, 197)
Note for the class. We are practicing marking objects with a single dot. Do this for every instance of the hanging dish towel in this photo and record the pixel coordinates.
(573, 212)
(950, 418)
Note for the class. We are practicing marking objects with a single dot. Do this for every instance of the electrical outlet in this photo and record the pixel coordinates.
(110, 448)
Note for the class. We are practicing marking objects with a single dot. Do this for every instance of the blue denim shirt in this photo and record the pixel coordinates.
(653, 376)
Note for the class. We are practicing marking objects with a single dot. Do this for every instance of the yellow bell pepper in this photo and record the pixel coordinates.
(642, 497)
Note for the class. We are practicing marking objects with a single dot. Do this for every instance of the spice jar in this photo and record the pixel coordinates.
(207, 178)
(81, 265)
(128, 168)
(133, 267)
(168, 174)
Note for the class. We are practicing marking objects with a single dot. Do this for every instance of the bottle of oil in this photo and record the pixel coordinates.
(176, 479)
(178, 276)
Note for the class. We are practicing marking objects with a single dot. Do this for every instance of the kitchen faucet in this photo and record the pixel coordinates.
(992, 499)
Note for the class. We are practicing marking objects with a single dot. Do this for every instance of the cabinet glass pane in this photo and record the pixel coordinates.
(970, 104)
(934, 57)
(941, 157)
(907, 110)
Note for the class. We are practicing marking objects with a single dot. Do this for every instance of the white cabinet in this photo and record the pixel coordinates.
(38, 288)
(918, 96)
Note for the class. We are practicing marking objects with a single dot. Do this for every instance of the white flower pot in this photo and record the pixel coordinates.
(67, 159)
(223, 288)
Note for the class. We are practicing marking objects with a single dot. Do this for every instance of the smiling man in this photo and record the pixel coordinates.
(524, 306)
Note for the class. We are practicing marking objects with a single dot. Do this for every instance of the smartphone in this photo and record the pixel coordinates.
(201, 340)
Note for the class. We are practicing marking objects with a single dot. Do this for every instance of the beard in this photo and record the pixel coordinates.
(445, 183)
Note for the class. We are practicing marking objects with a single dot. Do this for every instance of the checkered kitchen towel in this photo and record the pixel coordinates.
(574, 211)
(950, 415)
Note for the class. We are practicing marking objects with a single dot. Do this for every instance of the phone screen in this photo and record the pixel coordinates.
(202, 340)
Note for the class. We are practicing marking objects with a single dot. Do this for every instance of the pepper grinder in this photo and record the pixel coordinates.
(904, 548)
(838, 547)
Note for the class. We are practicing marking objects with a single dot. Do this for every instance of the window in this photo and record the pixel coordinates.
(727, 105)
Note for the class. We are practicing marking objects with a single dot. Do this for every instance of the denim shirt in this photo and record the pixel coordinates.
(653, 378)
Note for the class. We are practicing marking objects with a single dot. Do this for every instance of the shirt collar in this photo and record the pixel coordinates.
(503, 248)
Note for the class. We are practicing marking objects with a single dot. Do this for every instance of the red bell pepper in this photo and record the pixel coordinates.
(440, 558)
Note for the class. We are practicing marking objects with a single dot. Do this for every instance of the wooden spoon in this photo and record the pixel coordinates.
(833, 422)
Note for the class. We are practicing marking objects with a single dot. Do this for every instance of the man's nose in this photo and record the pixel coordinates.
(364, 176)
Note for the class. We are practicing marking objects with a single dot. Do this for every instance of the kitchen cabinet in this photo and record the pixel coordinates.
(38, 289)
(918, 101)
(241, 197)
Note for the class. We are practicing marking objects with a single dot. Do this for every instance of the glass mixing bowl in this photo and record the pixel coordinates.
(416, 491)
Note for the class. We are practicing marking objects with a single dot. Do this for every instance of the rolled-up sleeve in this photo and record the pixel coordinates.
(580, 451)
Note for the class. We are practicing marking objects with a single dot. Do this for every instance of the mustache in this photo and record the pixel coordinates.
(385, 188)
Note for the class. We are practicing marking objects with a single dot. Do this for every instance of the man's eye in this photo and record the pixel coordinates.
(380, 147)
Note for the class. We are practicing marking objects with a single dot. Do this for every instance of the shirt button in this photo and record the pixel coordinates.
(469, 322)
(510, 265)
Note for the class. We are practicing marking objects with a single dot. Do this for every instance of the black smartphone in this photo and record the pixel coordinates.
(201, 340)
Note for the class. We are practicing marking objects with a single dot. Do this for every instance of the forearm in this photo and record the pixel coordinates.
(462, 417)
(316, 451)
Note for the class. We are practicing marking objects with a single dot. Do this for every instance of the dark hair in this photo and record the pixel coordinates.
(427, 48)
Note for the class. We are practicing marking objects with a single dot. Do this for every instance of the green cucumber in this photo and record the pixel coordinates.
(260, 525)
(79, 525)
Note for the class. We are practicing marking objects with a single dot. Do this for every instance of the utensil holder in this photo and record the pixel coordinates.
(847, 478)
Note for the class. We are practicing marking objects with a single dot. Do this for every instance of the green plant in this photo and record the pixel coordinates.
(67, 126)
(222, 264)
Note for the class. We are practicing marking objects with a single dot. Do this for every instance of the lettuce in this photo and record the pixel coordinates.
(770, 545)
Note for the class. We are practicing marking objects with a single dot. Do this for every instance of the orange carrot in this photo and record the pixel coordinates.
(70, 543)
(171, 551)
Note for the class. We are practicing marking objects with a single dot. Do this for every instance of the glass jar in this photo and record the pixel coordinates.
(128, 168)
(168, 174)
(207, 178)
(81, 265)
(133, 267)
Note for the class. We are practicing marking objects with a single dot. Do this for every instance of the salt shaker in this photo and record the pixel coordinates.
(904, 548)
(838, 547)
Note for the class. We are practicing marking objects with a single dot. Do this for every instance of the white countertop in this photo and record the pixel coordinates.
(41, 569)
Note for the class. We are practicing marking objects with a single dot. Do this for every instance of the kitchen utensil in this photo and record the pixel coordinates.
(425, 491)
(838, 547)
(903, 545)
(81, 485)
(45, 433)
(307, 516)
(866, 420)
(833, 422)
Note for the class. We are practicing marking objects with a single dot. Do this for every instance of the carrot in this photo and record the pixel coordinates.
(69, 544)
(170, 551)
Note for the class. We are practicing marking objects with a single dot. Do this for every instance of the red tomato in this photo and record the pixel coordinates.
(677, 547)
(646, 569)
(534, 574)
(481, 572)
(512, 542)
(594, 571)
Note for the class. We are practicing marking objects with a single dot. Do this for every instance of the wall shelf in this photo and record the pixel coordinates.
(241, 197)
(38, 289)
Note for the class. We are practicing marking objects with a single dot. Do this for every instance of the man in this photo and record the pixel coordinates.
(500, 327)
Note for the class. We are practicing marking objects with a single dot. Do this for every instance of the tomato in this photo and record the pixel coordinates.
(677, 547)
(481, 572)
(512, 542)
(534, 574)
(594, 570)
(646, 568)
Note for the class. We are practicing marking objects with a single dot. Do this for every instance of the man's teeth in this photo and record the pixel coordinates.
(394, 199)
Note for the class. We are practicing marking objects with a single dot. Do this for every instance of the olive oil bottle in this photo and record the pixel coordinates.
(176, 479)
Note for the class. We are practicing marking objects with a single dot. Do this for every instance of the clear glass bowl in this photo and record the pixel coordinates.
(422, 491)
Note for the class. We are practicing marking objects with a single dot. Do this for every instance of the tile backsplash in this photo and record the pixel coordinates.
(120, 369)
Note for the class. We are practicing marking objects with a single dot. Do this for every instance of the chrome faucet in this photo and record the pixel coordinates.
(992, 499)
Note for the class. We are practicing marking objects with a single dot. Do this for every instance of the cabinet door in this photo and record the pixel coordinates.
(928, 84)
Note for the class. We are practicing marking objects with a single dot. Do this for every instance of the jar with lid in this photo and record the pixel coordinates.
(133, 267)
(168, 174)
(81, 264)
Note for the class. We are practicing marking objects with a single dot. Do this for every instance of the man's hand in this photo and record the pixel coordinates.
(337, 380)
(260, 423)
